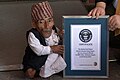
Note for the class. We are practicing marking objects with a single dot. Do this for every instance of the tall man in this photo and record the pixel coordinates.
(114, 20)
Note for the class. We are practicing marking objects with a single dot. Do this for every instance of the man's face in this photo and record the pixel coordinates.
(45, 26)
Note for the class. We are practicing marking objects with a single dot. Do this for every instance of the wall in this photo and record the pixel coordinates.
(15, 21)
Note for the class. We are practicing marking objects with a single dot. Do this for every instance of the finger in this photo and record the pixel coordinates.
(102, 13)
(60, 52)
(112, 28)
(90, 13)
(61, 49)
(97, 14)
(61, 46)
(110, 21)
(94, 13)
(113, 22)
(63, 31)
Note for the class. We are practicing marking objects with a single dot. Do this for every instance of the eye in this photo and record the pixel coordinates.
(41, 22)
(49, 20)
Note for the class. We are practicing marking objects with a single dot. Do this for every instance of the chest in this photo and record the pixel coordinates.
(52, 40)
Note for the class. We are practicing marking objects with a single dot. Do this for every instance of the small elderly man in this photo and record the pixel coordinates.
(43, 52)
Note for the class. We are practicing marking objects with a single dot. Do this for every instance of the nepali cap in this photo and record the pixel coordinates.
(41, 11)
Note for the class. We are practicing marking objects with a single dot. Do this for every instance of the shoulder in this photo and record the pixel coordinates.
(31, 31)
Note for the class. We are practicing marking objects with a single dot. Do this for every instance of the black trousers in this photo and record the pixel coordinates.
(114, 41)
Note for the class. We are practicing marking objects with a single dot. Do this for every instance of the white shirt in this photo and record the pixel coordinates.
(115, 3)
(54, 63)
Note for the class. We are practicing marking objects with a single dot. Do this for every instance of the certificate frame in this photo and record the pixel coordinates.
(102, 70)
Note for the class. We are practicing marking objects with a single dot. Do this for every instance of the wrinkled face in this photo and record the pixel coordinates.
(44, 26)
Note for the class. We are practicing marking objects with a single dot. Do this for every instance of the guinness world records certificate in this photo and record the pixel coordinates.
(86, 46)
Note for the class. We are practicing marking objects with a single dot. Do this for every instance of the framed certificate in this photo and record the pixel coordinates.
(86, 46)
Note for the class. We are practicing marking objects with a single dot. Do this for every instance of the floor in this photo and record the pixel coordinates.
(114, 74)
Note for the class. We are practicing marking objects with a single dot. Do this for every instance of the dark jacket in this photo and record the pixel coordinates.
(108, 2)
(110, 10)
(30, 59)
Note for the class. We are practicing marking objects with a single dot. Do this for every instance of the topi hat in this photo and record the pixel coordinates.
(41, 11)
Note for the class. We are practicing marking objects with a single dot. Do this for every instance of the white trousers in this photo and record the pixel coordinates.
(54, 64)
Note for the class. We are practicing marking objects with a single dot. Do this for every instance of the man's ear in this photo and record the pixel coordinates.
(34, 24)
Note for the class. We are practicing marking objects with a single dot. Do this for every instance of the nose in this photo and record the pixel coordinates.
(46, 24)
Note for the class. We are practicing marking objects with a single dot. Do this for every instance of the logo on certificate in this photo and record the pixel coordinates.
(85, 35)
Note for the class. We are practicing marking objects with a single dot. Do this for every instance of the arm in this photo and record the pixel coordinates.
(39, 49)
(35, 45)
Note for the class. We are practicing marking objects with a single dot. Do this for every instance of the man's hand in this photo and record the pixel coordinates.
(114, 22)
(59, 49)
(61, 33)
(99, 10)
(96, 12)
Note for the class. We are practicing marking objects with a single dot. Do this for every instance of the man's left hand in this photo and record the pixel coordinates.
(114, 22)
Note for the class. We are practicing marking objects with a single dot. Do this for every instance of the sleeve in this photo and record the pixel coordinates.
(106, 1)
(100, 1)
(35, 45)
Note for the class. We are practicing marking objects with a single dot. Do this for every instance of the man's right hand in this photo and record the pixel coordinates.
(99, 10)
(59, 49)
(96, 12)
